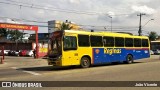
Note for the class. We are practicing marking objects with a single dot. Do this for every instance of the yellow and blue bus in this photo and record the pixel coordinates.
(71, 47)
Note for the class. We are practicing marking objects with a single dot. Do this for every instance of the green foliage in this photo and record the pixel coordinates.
(152, 36)
(3, 32)
(15, 35)
(65, 26)
(11, 34)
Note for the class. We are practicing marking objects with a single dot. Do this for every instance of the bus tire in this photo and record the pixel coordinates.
(85, 62)
(129, 59)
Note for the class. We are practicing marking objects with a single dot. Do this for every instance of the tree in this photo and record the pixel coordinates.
(3, 32)
(65, 26)
(15, 35)
(152, 36)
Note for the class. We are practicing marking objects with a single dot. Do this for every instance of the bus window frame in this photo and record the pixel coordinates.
(136, 41)
(102, 45)
(88, 40)
(129, 38)
(68, 49)
(106, 41)
(147, 43)
(115, 41)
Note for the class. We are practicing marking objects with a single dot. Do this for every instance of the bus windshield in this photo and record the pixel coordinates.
(56, 46)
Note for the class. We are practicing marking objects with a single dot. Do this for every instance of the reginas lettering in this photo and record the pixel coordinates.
(111, 51)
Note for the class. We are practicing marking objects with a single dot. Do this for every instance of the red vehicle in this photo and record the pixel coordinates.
(23, 53)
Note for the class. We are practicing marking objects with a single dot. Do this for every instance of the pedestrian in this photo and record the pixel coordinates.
(34, 53)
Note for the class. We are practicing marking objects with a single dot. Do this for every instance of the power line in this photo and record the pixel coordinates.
(59, 10)
(83, 26)
(25, 20)
(21, 4)
(114, 27)
(49, 6)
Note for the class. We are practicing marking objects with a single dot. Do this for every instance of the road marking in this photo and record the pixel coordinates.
(14, 67)
(30, 72)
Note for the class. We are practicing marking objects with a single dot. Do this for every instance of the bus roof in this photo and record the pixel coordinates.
(105, 34)
(155, 41)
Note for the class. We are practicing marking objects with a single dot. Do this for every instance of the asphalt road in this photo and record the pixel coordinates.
(28, 69)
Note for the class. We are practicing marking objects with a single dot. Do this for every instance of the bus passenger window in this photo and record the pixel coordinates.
(70, 43)
(129, 42)
(137, 42)
(145, 43)
(83, 40)
(108, 41)
(96, 41)
(119, 42)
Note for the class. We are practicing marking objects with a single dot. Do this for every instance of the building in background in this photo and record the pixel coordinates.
(54, 25)
(42, 37)
(43, 43)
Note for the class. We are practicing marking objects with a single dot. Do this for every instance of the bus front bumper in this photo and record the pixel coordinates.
(54, 63)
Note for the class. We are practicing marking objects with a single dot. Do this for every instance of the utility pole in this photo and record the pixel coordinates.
(111, 22)
(140, 26)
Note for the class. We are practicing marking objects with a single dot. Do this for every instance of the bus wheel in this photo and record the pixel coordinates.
(129, 59)
(85, 62)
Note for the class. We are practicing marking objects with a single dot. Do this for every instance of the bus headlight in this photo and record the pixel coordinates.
(60, 57)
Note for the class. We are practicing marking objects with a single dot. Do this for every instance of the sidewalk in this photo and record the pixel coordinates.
(11, 61)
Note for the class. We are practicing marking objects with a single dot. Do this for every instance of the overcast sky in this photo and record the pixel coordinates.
(86, 12)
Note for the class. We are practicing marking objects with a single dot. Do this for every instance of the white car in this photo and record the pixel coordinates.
(151, 52)
(30, 53)
(5, 52)
(156, 52)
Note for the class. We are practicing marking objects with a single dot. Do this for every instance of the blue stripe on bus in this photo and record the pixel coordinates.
(107, 55)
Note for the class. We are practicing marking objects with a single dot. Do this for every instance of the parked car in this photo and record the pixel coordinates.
(23, 53)
(13, 53)
(16, 53)
(151, 52)
(10, 53)
(5, 52)
(29, 53)
(157, 52)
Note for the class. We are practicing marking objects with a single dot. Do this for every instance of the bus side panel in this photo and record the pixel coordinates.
(99, 57)
(138, 53)
(84, 51)
(107, 55)
(121, 56)
(146, 53)
(117, 54)
(73, 57)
